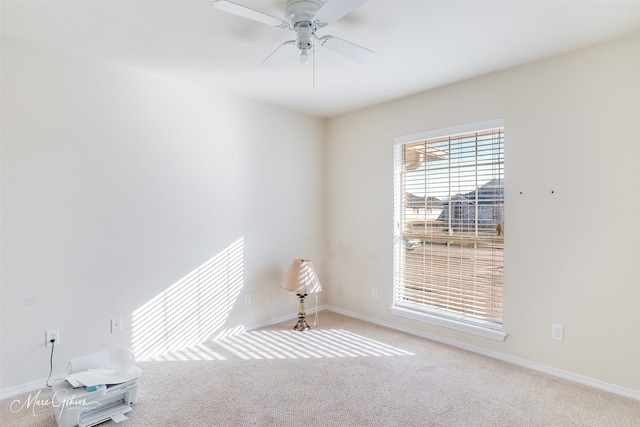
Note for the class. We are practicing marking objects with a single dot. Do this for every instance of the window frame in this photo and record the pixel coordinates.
(432, 315)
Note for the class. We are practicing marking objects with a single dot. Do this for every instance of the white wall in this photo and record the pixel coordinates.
(116, 185)
(571, 257)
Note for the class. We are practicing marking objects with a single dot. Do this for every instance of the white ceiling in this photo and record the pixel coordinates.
(419, 44)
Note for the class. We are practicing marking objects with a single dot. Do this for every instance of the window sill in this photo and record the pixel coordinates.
(448, 323)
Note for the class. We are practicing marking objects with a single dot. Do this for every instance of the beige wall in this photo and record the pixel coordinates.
(571, 256)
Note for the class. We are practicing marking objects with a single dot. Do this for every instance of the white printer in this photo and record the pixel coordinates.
(98, 388)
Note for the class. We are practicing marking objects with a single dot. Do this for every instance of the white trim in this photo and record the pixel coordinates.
(451, 130)
(434, 319)
(580, 379)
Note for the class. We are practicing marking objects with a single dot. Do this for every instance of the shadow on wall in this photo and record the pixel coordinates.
(190, 310)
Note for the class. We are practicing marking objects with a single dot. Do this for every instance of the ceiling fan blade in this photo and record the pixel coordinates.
(333, 10)
(245, 12)
(347, 49)
(281, 53)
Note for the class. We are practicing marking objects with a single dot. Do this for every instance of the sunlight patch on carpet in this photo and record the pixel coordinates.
(269, 345)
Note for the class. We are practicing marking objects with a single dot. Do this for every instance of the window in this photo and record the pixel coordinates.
(449, 238)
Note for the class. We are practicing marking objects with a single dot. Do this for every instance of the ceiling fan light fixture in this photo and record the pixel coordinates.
(304, 56)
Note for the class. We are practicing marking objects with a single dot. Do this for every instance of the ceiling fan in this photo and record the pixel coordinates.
(304, 17)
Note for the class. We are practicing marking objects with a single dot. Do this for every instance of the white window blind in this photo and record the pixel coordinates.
(450, 226)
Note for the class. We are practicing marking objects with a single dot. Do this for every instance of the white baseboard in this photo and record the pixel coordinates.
(27, 388)
(39, 384)
(287, 317)
(622, 391)
(580, 379)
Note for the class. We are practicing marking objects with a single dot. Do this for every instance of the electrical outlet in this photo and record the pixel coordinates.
(53, 334)
(374, 293)
(247, 299)
(557, 332)
(116, 326)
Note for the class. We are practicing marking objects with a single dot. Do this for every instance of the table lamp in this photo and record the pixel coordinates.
(303, 280)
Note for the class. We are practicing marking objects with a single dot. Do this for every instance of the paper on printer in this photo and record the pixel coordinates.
(96, 369)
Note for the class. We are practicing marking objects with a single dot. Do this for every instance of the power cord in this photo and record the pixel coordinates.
(53, 345)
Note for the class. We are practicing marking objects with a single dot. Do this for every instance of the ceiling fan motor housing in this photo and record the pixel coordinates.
(300, 14)
(305, 33)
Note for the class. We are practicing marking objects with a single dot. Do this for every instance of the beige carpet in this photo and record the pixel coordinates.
(346, 372)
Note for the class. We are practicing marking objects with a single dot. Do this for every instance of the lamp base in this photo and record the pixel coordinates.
(302, 322)
(301, 326)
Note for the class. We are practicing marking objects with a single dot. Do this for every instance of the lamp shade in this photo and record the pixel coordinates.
(301, 278)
